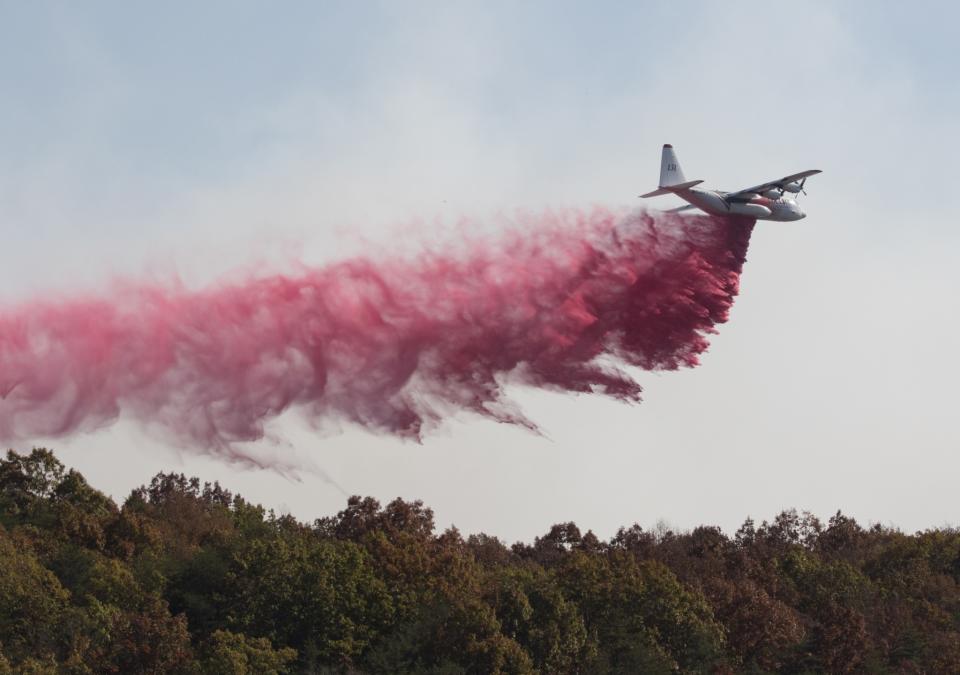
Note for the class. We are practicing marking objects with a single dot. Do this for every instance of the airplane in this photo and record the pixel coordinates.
(767, 201)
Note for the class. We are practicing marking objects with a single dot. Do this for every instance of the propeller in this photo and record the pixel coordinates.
(801, 186)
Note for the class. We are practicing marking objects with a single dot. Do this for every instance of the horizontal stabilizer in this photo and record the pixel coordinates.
(665, 190)
(683, 186)
(656, 193)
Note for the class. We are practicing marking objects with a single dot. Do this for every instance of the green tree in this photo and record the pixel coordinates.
(640, 615)
(320, 597)
(532, 610)
(448, 636)
(226, 653)
(33, 604)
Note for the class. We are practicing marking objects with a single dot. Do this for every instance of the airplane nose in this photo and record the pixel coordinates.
(801, 215)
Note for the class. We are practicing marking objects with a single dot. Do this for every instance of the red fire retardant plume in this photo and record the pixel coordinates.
(562, 302)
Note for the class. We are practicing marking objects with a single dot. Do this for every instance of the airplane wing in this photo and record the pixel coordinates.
(779, 183)
(681, 208)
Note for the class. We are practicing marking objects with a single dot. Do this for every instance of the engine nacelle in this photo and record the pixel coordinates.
(773, 193)
(749, 209)
(792, 187)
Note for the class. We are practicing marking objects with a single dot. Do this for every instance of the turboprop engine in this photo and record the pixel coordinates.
(795, 186)
(773, 193)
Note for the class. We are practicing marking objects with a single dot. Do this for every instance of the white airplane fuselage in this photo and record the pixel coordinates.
(759, 207)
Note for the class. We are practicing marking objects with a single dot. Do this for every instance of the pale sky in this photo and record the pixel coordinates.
(203, 141)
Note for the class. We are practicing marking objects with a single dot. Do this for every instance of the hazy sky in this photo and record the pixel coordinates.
(198, 140)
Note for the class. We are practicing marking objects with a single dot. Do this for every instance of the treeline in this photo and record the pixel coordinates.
(186, 577)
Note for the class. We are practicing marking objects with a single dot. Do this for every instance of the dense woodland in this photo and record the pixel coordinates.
(187, 577)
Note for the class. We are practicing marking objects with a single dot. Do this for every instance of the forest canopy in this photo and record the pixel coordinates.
(186, 577)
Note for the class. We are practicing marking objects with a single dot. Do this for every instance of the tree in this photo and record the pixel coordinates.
(639, 614)
(320, 597)
(448, 635)
(226, 653)
(532, 611)
(33, 604)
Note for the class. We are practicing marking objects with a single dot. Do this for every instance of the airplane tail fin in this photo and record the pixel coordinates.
(671, 175)
(670, 171)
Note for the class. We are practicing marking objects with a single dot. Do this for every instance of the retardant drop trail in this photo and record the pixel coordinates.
(392, 345)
